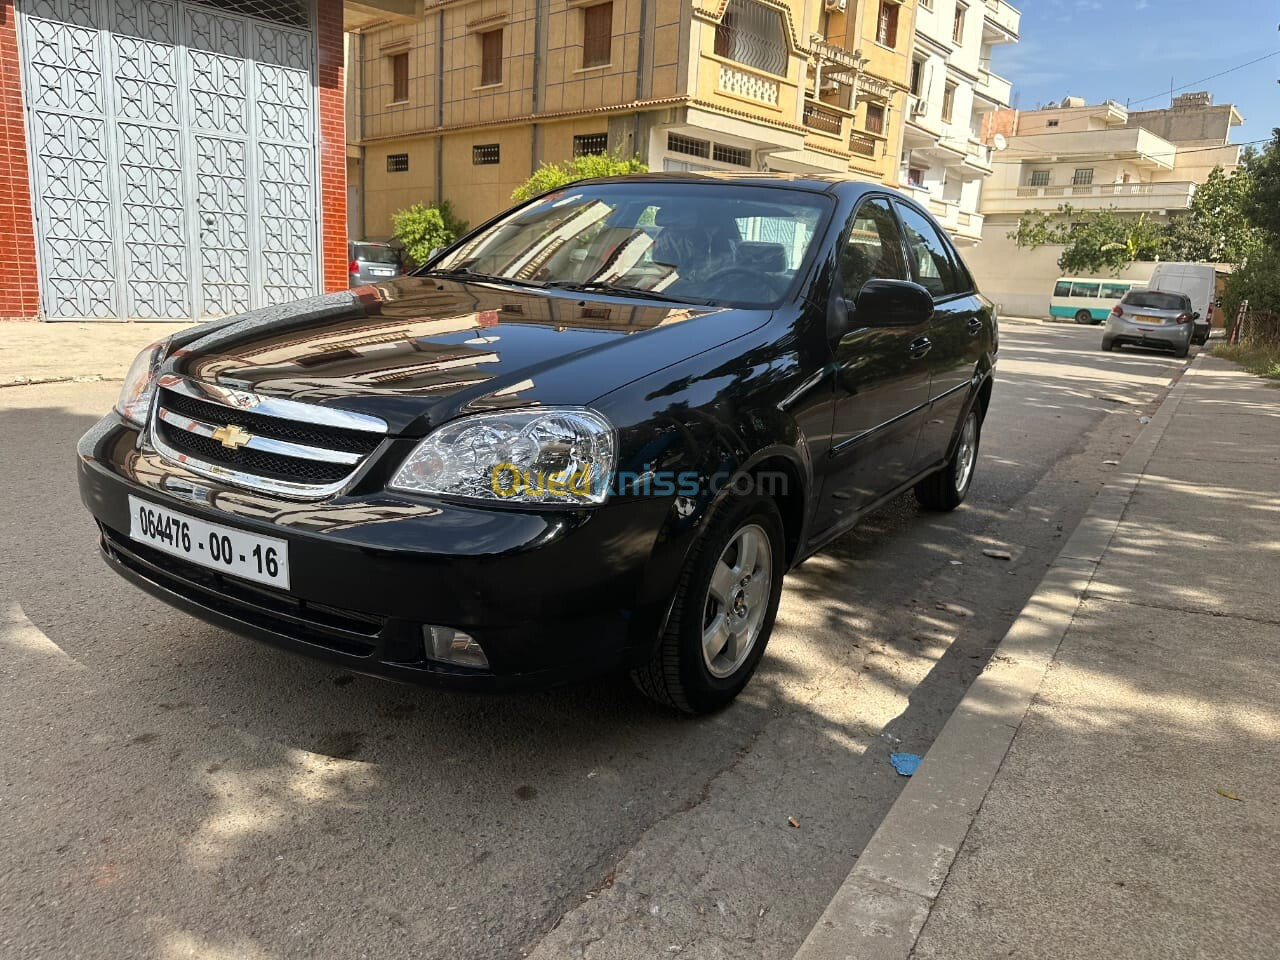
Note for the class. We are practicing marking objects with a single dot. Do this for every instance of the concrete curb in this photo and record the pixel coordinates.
(880, 909)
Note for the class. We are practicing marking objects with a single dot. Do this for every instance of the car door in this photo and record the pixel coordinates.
(881, 375)
(955, 333)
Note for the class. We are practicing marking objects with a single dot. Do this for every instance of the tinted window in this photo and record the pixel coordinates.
(1079, 289)
(376, 253)
(1154, 300)
(1062, 288)
(1114, 291)
(873, 250)
(928, 253)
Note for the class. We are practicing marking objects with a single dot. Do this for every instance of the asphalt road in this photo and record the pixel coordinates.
(168, 790)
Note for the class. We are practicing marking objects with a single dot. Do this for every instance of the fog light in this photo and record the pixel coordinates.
(453, 646)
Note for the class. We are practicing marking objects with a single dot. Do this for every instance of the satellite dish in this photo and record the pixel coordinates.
(1000, 142)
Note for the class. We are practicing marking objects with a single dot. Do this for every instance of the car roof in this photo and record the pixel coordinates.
(796, 181)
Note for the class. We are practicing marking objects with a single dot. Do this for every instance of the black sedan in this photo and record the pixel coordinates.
(591, 435)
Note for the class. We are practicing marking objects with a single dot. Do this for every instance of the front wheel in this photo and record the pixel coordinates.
(724, 610)
(946, 489)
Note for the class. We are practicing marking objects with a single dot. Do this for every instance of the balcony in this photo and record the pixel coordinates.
(993, 87)
(748, 84)
(1000, 22)
(356, 16)
(863, 145)
(977, 158)
(823, 119)
(968, 226)
(1134, 144)
(1124, 197)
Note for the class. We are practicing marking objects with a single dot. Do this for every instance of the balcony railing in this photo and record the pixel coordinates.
(820, 118)
(862, 145)
(745, 83)
(1172, 195)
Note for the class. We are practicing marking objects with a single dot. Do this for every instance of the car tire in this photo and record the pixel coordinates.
(688, 672)
(1084, 316)
(946, 489)
(1108, 346)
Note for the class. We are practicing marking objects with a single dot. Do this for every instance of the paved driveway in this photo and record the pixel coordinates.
(168, 790)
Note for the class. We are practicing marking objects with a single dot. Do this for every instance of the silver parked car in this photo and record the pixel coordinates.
(371, 262)
(1151, 318)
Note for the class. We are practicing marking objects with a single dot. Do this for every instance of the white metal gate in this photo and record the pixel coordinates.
(172, 154)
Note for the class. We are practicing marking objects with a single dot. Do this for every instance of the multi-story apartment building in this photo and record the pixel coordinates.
(952, 90)
(465, 98)
(1092, 157)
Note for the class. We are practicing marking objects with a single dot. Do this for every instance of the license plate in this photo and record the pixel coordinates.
(1146, 319)
(383, 273)
(211, 545)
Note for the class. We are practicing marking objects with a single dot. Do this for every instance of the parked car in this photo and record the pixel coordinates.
(593, 434)
(1199, 281)
(1151, 318)
(373, 262)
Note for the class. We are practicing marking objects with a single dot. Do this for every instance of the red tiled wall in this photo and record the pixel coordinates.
(19, 294)
(333, 148)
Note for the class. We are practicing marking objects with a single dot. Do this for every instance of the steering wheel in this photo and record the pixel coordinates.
(742, 274)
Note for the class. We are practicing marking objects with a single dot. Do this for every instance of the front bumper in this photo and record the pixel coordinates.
(1170, 336)
(549, 595)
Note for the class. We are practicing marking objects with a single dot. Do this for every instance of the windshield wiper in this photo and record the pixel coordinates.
(621, 290)
(466, 273)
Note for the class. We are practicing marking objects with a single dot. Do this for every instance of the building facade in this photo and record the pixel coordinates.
(170, 159)
(464, 101)
(953, 92)
(1092, 157)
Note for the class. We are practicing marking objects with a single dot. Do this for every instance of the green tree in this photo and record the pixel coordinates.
(552, 175)
(1262, 207)
(1216, 228)
(426, 227)
(1092, 241)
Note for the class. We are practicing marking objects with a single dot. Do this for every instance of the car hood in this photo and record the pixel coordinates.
(421, 350)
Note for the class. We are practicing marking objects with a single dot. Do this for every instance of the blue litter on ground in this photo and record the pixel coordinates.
(905, 763)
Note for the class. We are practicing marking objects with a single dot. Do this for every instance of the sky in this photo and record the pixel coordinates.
(1129, 49)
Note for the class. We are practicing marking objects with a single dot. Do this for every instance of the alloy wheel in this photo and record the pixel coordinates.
(737, 600)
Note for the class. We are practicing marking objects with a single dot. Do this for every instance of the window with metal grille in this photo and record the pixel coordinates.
(397, 162)
(678, 143)
(1039, 178)
(293, 12)
(1051, 123)
(597, 35)
(948, 102)
(887, 24)
(754, 35)
(490, 58)
(1083, 177)
(399, 77)
(738, 156)
(486, 153)
(957, 28)
(587, 144)
(875, 118)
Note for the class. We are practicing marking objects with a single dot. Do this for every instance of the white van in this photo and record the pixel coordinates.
(1199, 281)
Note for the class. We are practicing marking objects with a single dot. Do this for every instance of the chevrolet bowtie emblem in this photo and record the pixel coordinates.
(232, 437)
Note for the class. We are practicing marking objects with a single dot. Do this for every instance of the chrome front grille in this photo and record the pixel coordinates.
(283, 447)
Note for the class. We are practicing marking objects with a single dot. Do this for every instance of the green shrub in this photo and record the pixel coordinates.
(424, 227)
(552, 175)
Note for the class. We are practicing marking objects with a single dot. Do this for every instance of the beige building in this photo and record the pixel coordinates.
(464, 99)
(1093, 157)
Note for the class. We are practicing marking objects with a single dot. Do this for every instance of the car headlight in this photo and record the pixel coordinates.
(140, 383)
(544, 455)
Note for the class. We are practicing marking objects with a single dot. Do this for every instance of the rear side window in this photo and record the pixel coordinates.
(1062, 288)
(1114, 291)
(929, 255)
(1155, 300)
(873, 250)
(1079, 289)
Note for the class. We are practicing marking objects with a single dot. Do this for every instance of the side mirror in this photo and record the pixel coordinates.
(893, 303)
(1195, 315)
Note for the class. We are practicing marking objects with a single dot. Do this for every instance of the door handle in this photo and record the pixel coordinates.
(975, 326)
(919, 347)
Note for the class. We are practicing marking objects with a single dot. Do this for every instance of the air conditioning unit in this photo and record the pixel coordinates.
(918, 107)
(829, 86)
(835, 6)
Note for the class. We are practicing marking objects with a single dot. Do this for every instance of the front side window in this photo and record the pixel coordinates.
(873, 250)
(699, 242)
(754, 35)
(928, 254)
(1062, 288)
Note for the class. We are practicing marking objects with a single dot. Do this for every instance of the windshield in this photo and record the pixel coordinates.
(1156, 301)
(376, 253)
(702, 242)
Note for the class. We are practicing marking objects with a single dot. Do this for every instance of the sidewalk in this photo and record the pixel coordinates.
(50, 352)
(1110, 786)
